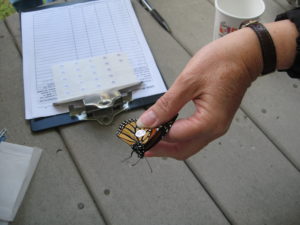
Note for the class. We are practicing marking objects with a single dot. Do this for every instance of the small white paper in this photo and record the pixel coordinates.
(78, 78)
(17, 165)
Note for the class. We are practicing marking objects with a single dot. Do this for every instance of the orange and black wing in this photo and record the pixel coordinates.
(126, 132)
(129, 132)
(158, 133)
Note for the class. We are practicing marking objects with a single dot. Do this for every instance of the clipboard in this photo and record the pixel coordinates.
(43, 123)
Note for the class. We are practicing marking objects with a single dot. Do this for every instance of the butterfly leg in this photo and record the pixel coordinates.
(149, 165)
(124, 160)
(136, 162)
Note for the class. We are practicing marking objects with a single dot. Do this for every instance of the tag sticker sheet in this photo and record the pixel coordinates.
(78, 78)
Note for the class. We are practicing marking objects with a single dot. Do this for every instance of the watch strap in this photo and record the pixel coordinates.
(267, 47)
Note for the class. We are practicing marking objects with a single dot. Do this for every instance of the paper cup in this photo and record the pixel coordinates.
(230, 14)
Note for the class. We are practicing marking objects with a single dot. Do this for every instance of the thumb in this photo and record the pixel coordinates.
(166, 107)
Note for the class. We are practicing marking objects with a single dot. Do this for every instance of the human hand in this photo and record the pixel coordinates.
(215, 80)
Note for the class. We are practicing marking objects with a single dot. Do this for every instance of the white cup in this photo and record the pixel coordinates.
(230, 14)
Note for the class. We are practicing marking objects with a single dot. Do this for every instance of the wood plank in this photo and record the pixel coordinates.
(14, 27)
(167, 65)
(200, 15)
(191, 21)
(251, 181)
(281, 123)
(57, 194)
(171, 194)
(273, 103)
(284, 4)
(125, 193)
(241, 173)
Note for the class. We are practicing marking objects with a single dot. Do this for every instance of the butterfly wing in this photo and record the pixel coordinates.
(158, 133)
(155, 137)
(126, 132)
(142, 139)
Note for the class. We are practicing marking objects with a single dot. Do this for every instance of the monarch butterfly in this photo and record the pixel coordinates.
(142, 139)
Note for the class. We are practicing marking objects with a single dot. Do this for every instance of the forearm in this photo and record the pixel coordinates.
(248, 49)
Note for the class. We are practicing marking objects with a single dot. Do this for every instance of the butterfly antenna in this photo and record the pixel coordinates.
(149, 165)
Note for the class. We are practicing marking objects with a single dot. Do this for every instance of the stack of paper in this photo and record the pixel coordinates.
(17, 165)
(78, 31)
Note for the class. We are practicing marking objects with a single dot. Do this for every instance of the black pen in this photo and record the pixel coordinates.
(155, 15)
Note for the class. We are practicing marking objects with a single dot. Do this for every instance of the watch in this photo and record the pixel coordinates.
(267, 47)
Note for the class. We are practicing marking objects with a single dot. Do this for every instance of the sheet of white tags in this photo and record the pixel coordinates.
(78, 78)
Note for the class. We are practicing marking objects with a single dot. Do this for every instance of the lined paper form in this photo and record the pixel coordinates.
(79, 78)
(77, 31)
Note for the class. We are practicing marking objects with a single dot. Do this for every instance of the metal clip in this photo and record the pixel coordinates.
(102, 107)
(247, 23)
(3, 134)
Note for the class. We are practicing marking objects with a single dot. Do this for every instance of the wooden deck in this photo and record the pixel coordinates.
(249, 176)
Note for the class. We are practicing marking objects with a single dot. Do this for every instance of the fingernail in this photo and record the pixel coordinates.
(147, 119)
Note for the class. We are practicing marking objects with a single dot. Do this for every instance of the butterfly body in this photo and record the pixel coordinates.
(142, 139)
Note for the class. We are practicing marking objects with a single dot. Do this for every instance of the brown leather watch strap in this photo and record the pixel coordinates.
(267, 47)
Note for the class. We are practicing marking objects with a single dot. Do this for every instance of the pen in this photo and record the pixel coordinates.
(155, 15)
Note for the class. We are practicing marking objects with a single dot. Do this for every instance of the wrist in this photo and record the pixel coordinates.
(284, 34)
(248, 49)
